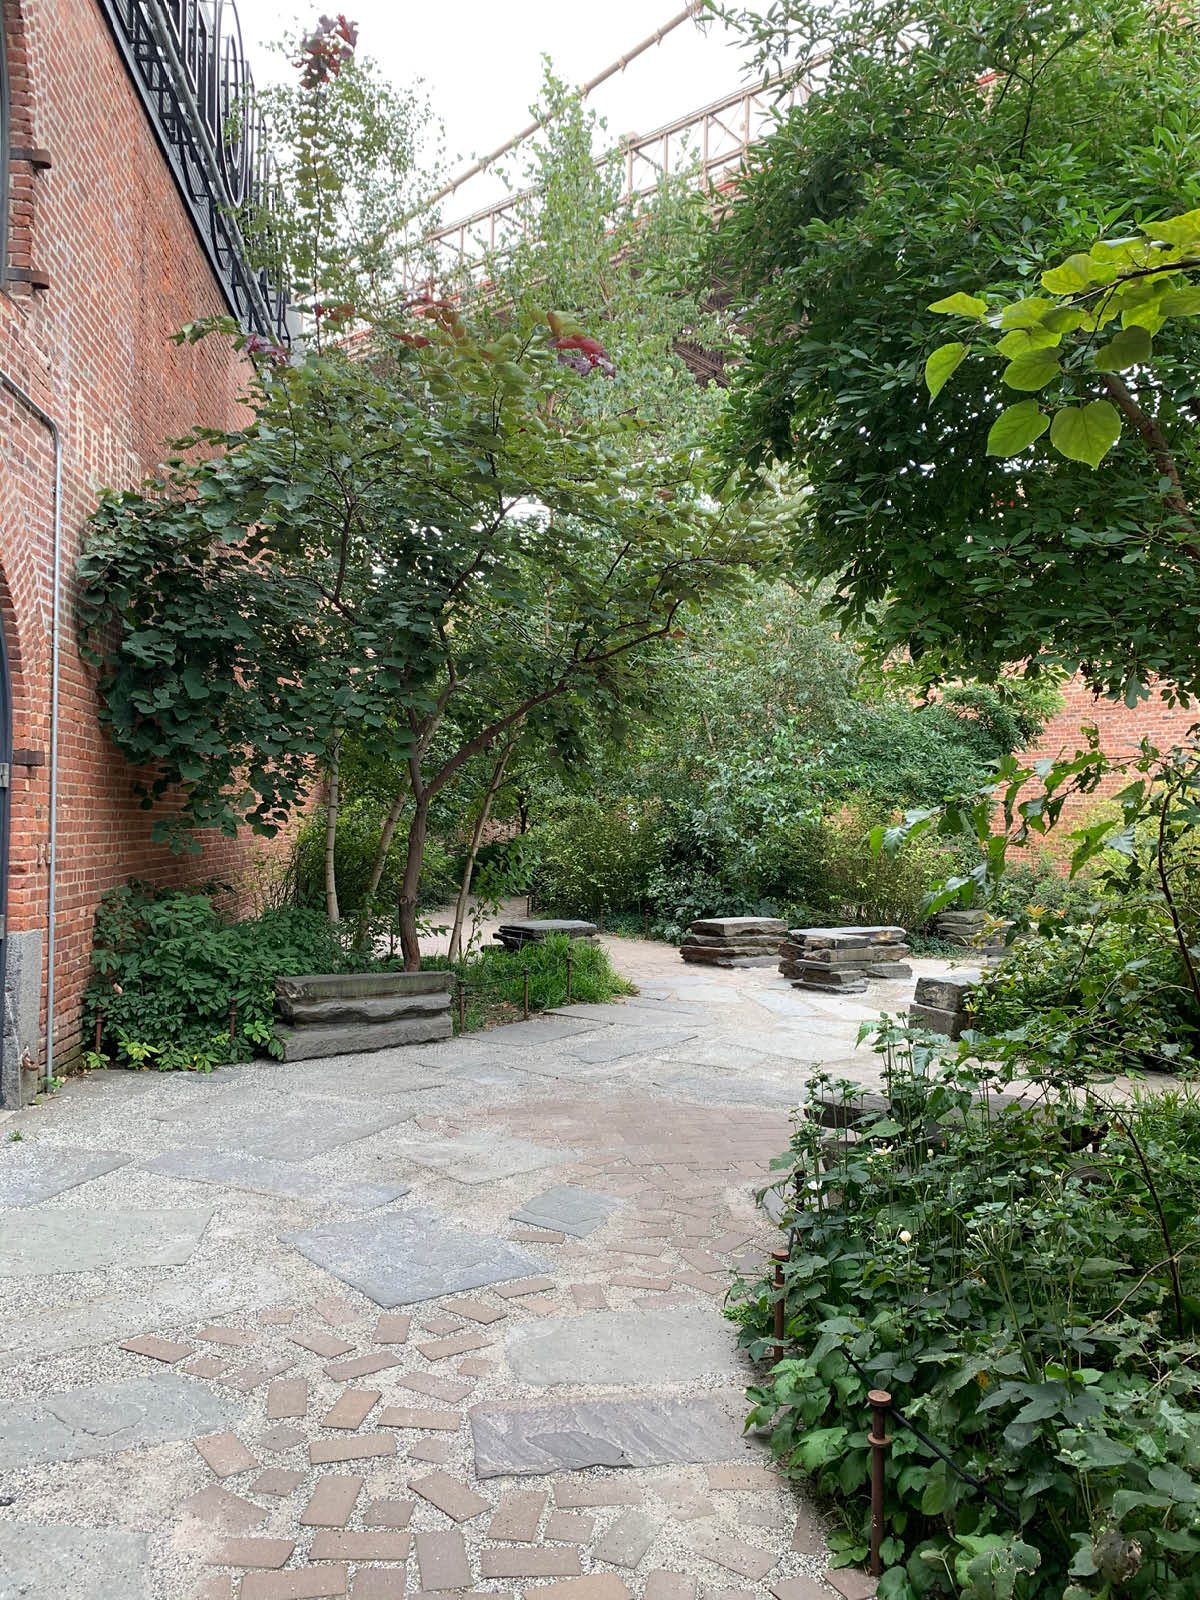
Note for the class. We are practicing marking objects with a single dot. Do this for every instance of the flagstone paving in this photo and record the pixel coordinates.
(420, 1322)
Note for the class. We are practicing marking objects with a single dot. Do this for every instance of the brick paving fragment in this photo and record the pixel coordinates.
(276, 1481)
(377, 1583)
(332, 1501)
(252, 1553)
(589, 1296)
(432, 1383)
(437, 1451)
(476, 1310)
(360, 1366)
(302, 1583)
(799, 1589)
(450, 1495)
(596, 1586)
(476, 1367)
(226, 1510)
(664, 1585)
(416, 1417)
(246, 1379)
(742, 1477)
(517, 1515)
(278, 1316)
(287, 1397)
(596, 1492)
(205, 1366)
(747, 1560)
(569, 1526)
(441, 1349)
(331, 1545)
(217, 1333)
(523, 1286)
(351, 1408)
(851, 1584)
(281, 1438)
(441, 1326)
(321, 1344)
(392, 1328)
(225, 1454)
(360, 1448)
(167, 1350)
(442, 1559)
(388, 1514)
(335, 1310)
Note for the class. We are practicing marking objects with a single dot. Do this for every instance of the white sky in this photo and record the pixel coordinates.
(481, 63)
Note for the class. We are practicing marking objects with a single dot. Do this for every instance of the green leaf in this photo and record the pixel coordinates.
(1077, 272)
(1023, 340)
(961, 305)
(1086, 433)
(1129, 348)
(1032, 371)
(1183, 230)
(1181, 302)
(1016, 428)
(942, 363)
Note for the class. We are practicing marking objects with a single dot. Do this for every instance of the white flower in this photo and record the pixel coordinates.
(905, 1236)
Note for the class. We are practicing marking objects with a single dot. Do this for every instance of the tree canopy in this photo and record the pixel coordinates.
(945, 152)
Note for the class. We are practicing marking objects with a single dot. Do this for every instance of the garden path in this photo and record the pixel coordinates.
(440, 1319)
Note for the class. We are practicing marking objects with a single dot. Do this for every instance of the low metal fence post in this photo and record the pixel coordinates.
(880, 1401)
(525, 977)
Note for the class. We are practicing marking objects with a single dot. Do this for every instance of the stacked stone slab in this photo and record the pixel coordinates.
(334, 1014)
(940, 1004)
(734, 941)
(840, 960)
(973, 930)
(532, 930)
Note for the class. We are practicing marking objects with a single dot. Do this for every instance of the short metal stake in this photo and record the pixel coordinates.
(570, 964)
(99, 1026)
(779, 1257)
(232, 1020)
(879, 1400)
(645, 924)
(462, 1006)
(525, 976)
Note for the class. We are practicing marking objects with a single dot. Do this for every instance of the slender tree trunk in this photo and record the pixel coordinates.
(485, 811)
(377, 866)
(409, 944)
(332, 797)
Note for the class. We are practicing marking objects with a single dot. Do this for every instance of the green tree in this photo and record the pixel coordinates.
(943, 151)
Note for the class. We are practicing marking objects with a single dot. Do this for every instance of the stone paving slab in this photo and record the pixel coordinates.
(102, 1419)
(55, 1561)
(48, 1242)
(294, 1132)
(413, 1255)
(30, 1173)
(539, 1030)
(610, 1347)
(236, 1169)
(567, 1209)
(619, 1043)
(646, 1432)
(484, 1157)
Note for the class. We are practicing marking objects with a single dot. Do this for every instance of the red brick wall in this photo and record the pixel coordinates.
(107, 225)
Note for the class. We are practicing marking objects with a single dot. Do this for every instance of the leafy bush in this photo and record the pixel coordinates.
(495, 978)
(354, 853)
(168, 968)
(595, 854)
(1022, 1281)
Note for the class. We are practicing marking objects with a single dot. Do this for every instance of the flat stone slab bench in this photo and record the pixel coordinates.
(733, 941)
(941, 1004)
(532, 930)
(841, 960)
(345, 1013)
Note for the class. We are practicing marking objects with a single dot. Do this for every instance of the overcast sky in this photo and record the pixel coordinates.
(481, 62)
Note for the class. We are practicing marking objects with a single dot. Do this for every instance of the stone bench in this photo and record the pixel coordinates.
(532, 930)
(344, 1013)
(940, 1004)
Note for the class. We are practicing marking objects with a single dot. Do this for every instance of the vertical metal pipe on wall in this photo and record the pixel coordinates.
(48, 422)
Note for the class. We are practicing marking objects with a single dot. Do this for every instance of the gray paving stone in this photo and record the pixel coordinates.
(33, 1172)
(101, 1419)
(54, 1559)
(186, 1298)
(538, 1030)
(235, 1169)
(606, 1433)
(483, 1157)
(413, 1255)
(82, 1241)
(676, 1346)
(302, 1128)
(627, 1540)
(567, 1209)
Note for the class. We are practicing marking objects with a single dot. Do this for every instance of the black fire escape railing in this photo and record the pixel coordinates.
(187, 61)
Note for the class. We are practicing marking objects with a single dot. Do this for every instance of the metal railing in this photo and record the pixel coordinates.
(707, 147)
(188, 64)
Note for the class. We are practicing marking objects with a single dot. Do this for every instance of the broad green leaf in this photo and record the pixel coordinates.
(1086, 433)
(1181, 302)
(1032, 371)
(1016, 428)
(961, 305)
(942, 363)
(1021, 341)
(1031, 313)
(1183, 230)
(1129, 348)
(1077, 272)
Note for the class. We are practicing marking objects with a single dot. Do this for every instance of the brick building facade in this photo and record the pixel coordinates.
(109, 250)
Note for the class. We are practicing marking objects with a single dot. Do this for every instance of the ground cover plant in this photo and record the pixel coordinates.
(1026, 1284)
(494, 979)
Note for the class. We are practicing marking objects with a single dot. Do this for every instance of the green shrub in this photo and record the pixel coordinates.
(1023, 1282)
(167, 968)
(595, 854)
(495, 978)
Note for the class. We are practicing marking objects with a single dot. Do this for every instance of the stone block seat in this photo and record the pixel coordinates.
(734, 941)
(841, 960)
(532, 930)
(344, 1013)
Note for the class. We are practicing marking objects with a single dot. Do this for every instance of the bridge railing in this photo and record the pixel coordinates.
(707, 147)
